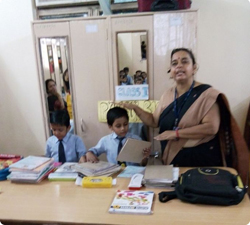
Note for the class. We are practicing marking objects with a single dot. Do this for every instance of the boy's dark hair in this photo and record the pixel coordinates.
(115, 113)
(60, 117)
(126, 69)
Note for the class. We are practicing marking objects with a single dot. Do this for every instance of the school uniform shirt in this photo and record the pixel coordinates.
(109, 145)
(129, 81)
(74, 147)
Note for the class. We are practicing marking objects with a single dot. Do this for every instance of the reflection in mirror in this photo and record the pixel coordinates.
(132, 67)
(132, 58)
(56, 76)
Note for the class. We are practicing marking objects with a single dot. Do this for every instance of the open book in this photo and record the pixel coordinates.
(134, 202)
(100, 168)
(132, 150)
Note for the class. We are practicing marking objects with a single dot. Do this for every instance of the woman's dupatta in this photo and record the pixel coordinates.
(234, 155)
(192, 117)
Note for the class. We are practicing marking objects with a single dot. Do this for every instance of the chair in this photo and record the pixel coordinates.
(247, 128)
(247, 138)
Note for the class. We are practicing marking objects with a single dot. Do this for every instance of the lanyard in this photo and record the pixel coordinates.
(176, 111)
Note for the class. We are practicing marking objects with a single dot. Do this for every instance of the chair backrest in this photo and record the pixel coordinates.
(247, 128)
(247, 138)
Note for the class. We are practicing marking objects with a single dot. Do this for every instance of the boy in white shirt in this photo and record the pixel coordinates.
(118, 120)
(64, 146)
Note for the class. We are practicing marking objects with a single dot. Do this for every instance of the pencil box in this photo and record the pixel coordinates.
(97, 182)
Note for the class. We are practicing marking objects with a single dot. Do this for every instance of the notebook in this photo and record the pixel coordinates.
(132, 202)
(132, 150)
(160, 176)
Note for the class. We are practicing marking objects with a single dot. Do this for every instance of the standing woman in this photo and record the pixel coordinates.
(55, 100)
(195, 124)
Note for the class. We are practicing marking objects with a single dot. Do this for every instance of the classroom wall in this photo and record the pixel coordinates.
(129, 52)
(21, 120)
(224, 50)
(223, 57)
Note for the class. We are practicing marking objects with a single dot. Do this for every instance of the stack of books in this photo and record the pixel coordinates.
(31, 169)
(65, 172)
(101, 168)
(160, 176)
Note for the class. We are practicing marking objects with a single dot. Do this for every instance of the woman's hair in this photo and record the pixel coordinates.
(47, 83)
(65, 81)
(116, 113)
(185, 50)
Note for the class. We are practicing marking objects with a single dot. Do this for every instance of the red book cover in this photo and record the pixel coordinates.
(8, 159)
(9, 156)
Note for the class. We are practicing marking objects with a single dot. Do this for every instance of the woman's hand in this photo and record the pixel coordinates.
(91, 157)
(146, 152)
(166, 135)
(146, 117)
(83, 159)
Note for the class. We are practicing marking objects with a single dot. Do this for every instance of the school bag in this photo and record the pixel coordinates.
(211, 186)
(162, 5)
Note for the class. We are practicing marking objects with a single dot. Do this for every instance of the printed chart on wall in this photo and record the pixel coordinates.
(104, 106)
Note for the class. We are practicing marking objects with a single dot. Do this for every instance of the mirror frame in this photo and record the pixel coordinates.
(117, 51)
(42, 82)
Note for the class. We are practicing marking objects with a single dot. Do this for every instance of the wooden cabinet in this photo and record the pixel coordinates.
(91, 76)
(93, 59)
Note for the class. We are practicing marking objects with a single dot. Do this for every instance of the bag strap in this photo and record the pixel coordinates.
(165, 196)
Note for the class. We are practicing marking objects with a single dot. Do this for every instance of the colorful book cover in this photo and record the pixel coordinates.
(7, 161)
(132, 202)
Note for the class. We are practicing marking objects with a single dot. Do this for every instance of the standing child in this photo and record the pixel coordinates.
(64, 146)
(117, 119)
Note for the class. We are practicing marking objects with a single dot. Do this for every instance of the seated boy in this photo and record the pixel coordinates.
(118, 121)
(64, 146)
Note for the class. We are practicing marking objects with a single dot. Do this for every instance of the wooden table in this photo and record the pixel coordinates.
(54, 202)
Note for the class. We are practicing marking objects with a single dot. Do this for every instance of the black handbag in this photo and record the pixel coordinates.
(207, 186)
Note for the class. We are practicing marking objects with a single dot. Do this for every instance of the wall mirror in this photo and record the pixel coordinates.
(132, 58)
(56, 76)
(133, 70)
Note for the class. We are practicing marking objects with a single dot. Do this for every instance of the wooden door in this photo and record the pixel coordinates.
(91, 76)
